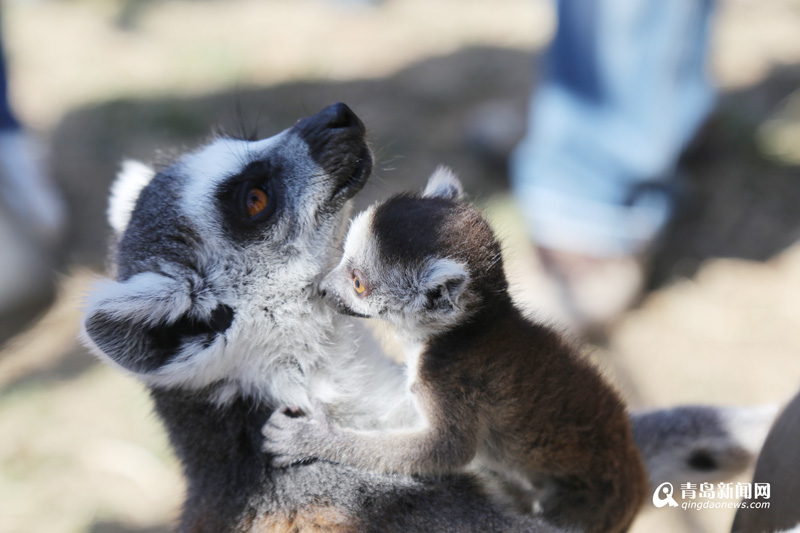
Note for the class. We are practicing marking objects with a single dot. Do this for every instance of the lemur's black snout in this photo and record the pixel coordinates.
(340, 116)
(336, 141)
(330, 122)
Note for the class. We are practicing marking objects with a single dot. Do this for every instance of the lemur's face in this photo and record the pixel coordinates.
(364, 285)
(384, 274)
(218, 252)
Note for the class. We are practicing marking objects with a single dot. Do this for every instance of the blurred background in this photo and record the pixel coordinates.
(435, 81)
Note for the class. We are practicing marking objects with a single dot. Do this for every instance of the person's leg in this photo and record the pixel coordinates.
(32, 217)
(25, 188)
(624, 92)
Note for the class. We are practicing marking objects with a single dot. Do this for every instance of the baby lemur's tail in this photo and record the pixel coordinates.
(700, 444)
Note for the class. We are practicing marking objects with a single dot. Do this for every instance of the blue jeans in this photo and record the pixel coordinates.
(624, 91)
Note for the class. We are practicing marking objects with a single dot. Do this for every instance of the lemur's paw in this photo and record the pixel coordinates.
(282, 434)
(292, 438)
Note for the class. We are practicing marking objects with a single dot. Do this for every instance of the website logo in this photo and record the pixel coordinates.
(663, 495)
(708, 496)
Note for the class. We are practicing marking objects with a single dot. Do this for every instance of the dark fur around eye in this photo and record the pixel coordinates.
(234, 194)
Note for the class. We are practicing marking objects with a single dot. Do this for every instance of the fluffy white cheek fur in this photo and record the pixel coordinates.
(283, 344)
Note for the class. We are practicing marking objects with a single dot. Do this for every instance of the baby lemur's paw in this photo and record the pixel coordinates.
(292, 439)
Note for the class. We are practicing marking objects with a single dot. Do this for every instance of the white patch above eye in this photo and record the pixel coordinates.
(443, 183)
(213, 164)
(131, 179)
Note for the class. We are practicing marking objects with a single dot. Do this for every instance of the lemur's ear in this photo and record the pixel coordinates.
(443, 183)
(443, 282)
(151, 324)
(132, 178)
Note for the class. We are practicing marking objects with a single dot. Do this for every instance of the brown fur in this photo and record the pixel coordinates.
(511, 391)
(313, 520)
(532, 403)
(517, 396)
(495, 386)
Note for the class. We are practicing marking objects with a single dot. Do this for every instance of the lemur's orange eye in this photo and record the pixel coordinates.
(359, 284)
(257, 201)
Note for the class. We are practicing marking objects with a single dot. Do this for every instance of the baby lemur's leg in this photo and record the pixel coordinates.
(602, 503)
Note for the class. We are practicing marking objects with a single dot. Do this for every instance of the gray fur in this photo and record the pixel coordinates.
(700, 443)
(240, 329)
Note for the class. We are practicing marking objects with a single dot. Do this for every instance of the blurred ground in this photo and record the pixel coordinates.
(102, 80)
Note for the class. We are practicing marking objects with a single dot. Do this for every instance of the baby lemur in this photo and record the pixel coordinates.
(491, 385)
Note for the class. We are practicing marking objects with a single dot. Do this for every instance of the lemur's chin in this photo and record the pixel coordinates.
(338, 305)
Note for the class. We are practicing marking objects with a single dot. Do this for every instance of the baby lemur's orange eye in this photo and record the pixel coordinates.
(257, 201)
(359, 283)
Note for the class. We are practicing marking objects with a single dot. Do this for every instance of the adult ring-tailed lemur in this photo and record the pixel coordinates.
(213, 305)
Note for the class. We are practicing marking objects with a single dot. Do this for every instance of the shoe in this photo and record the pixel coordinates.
(595, 291)
(579, 294)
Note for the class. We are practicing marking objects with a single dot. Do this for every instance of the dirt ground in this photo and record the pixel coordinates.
(101, 81)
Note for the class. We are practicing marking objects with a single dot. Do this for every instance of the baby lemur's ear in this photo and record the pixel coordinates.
(443, 282)
(443, 183)
(152, 325)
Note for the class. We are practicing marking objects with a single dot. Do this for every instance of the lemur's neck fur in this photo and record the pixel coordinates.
(219, 447)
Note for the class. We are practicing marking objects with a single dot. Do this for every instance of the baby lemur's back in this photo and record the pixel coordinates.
(540, 409)
(491, 385)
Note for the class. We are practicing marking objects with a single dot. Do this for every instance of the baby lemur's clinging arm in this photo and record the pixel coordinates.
(491, 385)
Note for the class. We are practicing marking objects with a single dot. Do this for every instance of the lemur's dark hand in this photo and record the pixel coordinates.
(292, 439)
